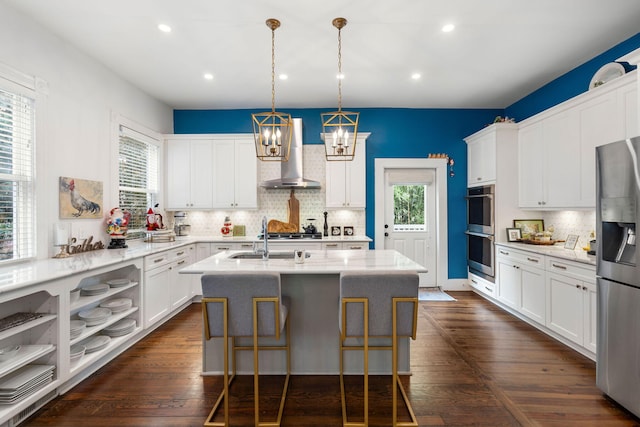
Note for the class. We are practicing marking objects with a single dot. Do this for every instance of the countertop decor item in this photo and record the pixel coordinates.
(272, 130)
(606, 73)
(239, 230)
(335, 230)
(572, 240)
(348, 230)
(326, 225)
(529, 227)
(293, 206)
(514, 234)
(340, 128)
(227, 227)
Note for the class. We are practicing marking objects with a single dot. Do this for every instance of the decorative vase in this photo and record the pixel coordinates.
(227, 228)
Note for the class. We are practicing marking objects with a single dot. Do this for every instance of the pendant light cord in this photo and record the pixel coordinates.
(340, 76)
(273, 70)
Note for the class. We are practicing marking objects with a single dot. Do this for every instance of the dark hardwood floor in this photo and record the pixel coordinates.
(472, 364)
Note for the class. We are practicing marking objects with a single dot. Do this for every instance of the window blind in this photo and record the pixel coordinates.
(138, 177)
(17, 198)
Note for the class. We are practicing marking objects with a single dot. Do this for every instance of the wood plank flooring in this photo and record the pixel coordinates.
(472, 364)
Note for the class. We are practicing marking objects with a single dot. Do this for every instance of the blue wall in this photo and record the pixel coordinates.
(413, 133)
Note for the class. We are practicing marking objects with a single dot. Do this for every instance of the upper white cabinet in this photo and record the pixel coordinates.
(216, 171)
(482, 152)
(235, 174)
(346, 181)
(189, 173)
(556, 156)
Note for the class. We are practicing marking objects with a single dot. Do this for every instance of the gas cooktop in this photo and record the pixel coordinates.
(291, 236)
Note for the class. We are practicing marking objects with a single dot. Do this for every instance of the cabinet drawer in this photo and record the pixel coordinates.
(180, 252)
(356, 246)
(482, 285)
(572, 269)
(157, 260)
(524, 257)
(332, 246)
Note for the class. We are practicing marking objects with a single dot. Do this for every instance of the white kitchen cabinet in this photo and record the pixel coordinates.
(235, 174)
(571, 302)
(351, 245)
(346, 180)
(556, 148)
(165, 290)
(482, 285)
(521, 282)
(189, 173)
(481, 157)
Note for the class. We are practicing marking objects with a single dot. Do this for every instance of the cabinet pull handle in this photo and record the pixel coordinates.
(158, 260)
(578, 286)
(180, 253)
(473, 281)
(532, 259)
(488, 289)
(181, 262)
(222, 248)
(246, 245)
(503, 252)
(561, 267)
(584, 288)
(355, 247)
(332, 245)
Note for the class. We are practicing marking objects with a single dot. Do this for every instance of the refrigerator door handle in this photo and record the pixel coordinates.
(634, 159)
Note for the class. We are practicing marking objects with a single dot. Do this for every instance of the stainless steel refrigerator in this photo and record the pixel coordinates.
(618, 270)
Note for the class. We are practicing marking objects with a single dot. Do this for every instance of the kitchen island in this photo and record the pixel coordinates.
(314, 290)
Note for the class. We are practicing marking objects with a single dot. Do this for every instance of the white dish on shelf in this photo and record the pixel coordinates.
(95, 316)
(76, 326)
(120, 328)
(96, 343)
(9, 352)
(23, 378)
(74, 295)
(76, 353)
(118, 283)
(92, 290)
(117, 305)
(606, 73)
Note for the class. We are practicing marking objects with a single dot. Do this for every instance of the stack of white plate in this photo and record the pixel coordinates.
(77, 351)
(95, 316)
(21, 383)
(96, 343)
(76, 327)
(98, 289)
(120, 328)
(74, 295)
(118, 283)
(117, 305)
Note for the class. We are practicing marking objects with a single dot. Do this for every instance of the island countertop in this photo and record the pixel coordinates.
(318, 262)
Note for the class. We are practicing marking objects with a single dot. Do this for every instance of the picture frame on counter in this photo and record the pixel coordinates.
(529, 227)
(336, 230)
(514, 234)
(572, 240)
(348, 230)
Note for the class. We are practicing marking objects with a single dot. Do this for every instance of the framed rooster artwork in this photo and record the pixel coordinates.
(80, 198)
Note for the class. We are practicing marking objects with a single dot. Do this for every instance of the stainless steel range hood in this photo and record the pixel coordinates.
(291, 171)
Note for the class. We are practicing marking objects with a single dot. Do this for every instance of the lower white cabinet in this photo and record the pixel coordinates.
(521, 282)
(353, 246)
(572, 304)
(482, 285)
(165, 289)
(556, 295)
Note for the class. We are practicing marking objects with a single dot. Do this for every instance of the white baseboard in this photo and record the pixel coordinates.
(456, 285)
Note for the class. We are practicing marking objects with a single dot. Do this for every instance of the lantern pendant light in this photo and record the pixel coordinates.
(340, 128)
(272, 130)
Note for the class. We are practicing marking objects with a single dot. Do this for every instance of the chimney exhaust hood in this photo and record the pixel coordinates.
(291, 171)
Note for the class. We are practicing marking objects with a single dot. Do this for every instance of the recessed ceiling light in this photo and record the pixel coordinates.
(283, 77)
(164, 28)
(340, 76)
(416, 76)
(208, 76)
(448, 28)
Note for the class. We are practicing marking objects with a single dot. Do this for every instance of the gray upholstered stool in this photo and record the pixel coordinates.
(392, 299)
(245, 305)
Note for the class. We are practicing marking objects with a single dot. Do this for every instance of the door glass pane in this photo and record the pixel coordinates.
(409, 207)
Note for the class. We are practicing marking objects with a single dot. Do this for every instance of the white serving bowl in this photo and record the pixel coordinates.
(8, 352)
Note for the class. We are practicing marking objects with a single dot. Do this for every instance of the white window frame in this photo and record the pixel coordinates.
(142, 134)
(25, 241)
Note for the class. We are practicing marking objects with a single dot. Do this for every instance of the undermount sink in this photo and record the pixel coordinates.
(272, 255)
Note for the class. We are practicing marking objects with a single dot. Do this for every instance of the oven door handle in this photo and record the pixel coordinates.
(488, 196)
(485, 236)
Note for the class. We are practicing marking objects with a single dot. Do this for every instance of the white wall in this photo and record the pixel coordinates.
(74, 127)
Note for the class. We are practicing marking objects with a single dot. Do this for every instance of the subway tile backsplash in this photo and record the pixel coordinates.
(582, 223)
(273, 203)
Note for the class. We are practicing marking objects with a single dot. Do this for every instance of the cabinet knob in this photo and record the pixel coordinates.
(584, 288)
(479, 178)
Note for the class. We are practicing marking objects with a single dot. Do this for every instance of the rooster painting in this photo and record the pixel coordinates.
(80, 198)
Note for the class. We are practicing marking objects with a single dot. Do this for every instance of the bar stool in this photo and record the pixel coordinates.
(245, 305)
(392, 298)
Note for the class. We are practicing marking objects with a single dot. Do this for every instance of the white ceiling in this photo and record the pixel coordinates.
(500, 51)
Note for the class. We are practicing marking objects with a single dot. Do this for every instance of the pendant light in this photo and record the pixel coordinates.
(272, 130)
(340, 128)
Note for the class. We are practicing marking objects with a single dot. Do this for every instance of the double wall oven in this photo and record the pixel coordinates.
(480, 231)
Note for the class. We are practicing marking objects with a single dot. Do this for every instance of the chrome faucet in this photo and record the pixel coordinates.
(265, 239)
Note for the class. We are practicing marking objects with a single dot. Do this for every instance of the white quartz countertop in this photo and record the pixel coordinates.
(319, 262)
(251, 239)
(556, 250)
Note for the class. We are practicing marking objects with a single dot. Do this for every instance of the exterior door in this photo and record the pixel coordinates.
(410, 217)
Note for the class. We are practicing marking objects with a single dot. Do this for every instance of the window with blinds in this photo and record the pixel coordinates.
(17, 197)
(138, 176)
